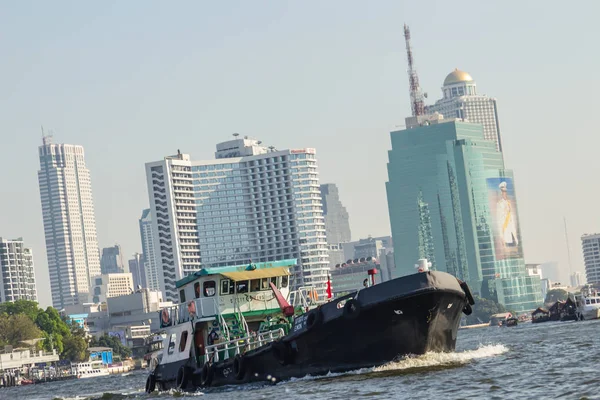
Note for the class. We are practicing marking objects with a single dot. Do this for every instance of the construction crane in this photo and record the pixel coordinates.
(417, 98)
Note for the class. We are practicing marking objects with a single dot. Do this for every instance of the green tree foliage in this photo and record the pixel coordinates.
(483, 310)
(23, 320)
(114, 343)
(29, 308)
(554, 295)
(17, 328)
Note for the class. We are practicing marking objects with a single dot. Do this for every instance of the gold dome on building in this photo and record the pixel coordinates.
(457, 76)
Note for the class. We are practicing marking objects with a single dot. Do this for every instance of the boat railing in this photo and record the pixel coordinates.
(302, 297)
(185, 312)
(225, 350)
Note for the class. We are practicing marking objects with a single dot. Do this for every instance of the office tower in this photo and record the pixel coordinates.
(462, 101)
(149, 257)
(337, 223)
(576, 279)
(17, 281)
(69, 222)
(591, 257)
(112, 260)
(111, 285)
(136, 268)
(452, 201)
(250, 204)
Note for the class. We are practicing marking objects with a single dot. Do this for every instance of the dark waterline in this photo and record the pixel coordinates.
(540, 361)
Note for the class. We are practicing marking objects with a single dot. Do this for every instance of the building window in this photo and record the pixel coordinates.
(210, 288)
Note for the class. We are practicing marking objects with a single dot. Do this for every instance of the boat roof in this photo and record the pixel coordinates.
(243, 272)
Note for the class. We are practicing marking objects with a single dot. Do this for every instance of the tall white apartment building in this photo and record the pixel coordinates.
(17, 279)
(250, 204)
(150, 261)
(69, 222)
(462, 101)
(591, 257)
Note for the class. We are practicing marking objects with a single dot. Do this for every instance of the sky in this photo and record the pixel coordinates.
(134, 81)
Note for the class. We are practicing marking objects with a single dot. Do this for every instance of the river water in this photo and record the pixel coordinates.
(531, 361)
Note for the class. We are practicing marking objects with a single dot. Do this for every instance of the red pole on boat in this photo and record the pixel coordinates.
(329, 295)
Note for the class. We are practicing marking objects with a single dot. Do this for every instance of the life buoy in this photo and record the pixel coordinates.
(207, 375)
(351, 309)
(192, 308)
(182, 378)
(150, 383)
(314, 318)
(166, 318)
(239, 367)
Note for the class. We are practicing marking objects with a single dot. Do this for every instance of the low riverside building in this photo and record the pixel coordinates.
(11, 359)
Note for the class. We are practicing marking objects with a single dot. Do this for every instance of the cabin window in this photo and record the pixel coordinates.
(587, 301)
(226, 287)
(210, 288)
(241, 287)
(183, 341)
(172, 343)
(274, 281)
(264, 284)
(284, 281)
(182, 296)
(197, 289)
(255, 285)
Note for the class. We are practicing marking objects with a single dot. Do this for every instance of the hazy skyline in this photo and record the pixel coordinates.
(134, 81)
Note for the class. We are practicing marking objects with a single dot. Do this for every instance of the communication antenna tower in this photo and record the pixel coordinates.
(417, 102)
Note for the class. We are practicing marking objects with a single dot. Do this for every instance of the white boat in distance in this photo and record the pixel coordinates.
(89, 370)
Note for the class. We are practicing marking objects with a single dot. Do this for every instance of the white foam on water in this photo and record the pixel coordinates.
(435, 359)
(422, 361)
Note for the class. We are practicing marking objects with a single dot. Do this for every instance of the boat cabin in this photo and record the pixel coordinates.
(221, 306)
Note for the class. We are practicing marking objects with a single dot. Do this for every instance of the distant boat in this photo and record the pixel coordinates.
(588, 304)
(89, 370)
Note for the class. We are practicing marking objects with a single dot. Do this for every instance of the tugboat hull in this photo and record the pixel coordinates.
(409, 315)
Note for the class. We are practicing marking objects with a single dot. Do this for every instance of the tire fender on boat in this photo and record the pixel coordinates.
(150, 383)
(468, 295)
(182, 378)
(282, 352)
(467, 309)
(239, 367)
(207, 375)
(351, 309)
(314, 318)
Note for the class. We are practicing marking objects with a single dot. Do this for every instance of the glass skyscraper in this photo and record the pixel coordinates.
(452, 201)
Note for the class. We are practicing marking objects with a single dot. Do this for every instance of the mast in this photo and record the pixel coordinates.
(417, 102)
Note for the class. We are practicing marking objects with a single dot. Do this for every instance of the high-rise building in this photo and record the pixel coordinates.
(69, 222)
(136, 268)
(149, 257)
(591, 257)
(250, 204)
(110, 285)
(17, 281)
(112, 260)
(337, 224)
(462, 101)
(577, 279)
(452, 201)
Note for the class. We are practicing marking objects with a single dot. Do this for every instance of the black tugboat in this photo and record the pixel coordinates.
(235, 325)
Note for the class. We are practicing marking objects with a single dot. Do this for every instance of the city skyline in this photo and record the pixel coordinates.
(128, 113)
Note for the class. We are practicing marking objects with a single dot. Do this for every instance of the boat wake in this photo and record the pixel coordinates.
(443, 359)
(426, 361)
